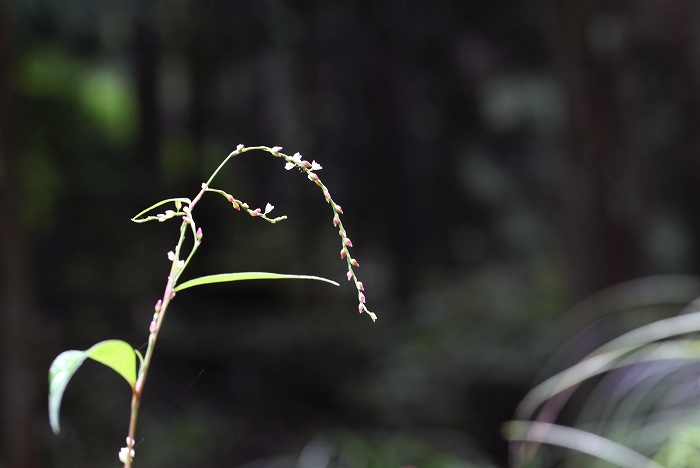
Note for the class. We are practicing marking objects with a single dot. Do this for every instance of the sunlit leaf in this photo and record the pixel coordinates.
(245, 276)
(116, 354)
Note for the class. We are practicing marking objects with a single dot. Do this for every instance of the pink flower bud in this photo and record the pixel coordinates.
(236, 205)
(360, 286)
(348, 242)
(326, 194)
(255, 212)
(199, 233)
(306, 164)
(172, 295)
(230, 198)
(336, 220)
(159, 304)
(152, 327)
(276, 149)
(343, 253)
(338, 209)
(353, 262)
(349, 275)
(360, 308)
(362, 298)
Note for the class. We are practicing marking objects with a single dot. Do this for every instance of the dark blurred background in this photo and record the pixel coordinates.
(497, 162)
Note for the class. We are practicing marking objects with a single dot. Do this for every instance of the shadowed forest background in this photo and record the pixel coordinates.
(497, 163)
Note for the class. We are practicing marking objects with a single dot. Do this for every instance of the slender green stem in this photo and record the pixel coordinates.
(168, 294)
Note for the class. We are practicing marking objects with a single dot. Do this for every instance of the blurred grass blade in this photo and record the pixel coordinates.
(607, 357)
(115, 354)
(659, 330)
(631, 295)
(574, 375)
(245, 276)
(576, 439)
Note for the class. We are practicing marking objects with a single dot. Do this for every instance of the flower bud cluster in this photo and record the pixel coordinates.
(256, 213)
(153, 327)
(127, 453)
(308, 168)
(165, 216)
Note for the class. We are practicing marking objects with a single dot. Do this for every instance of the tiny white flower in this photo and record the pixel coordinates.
(268, 208)
(296, 157)
(289, 165)
(315, 166)
(171, 255)
(240, 147)
(125, 454)
(180, 264)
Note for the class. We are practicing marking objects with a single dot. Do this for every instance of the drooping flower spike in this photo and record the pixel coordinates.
(308, 168)
(297, 161)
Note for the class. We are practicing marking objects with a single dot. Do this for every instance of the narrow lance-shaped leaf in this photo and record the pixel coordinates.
(116, 354)
(245, 276)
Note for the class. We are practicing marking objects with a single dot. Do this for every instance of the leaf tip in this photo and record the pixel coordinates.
(55, 426)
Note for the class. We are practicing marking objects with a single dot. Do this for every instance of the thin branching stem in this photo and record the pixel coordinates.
(184, 208)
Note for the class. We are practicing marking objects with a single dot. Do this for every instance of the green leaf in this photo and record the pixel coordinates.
(245, 276)
(60, 373)
(116, 354)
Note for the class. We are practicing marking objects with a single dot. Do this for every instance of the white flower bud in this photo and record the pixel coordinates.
(125, 454)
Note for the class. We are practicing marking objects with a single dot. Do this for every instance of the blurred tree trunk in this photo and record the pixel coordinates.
(145, 55)
(602, 189)
(19, 392)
